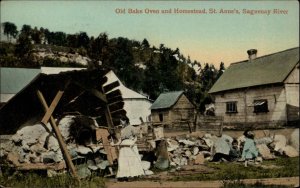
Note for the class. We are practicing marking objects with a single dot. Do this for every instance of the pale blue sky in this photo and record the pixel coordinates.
(208, 38)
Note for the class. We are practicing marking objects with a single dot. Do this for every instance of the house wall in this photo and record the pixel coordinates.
(182, 110)
(245, 115)
(292, 94)
(155, 116)
(137, 108)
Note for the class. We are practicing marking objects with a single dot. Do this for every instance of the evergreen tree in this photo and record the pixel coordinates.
(10, 30)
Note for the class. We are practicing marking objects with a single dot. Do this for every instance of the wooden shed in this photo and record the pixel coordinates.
(172, 108)
(259, 92)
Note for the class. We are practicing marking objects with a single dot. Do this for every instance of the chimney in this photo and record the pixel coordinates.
(252, 54)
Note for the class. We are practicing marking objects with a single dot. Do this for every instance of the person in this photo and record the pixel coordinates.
(250, 151)
(234, 152)
(221, 149)
(129, 161)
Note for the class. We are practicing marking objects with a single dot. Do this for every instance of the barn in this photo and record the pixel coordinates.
(260, 91)
(172, 108)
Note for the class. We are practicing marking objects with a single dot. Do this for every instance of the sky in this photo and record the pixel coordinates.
(211, 37)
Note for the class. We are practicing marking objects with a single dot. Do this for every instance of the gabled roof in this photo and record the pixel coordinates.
(12, 80)
(126, 92)
(269, 69)
(166, 100)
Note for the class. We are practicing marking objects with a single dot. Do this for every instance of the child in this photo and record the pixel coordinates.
(249, 150)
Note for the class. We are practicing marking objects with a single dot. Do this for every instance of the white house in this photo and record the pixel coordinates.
(136, 105)
(260, 92)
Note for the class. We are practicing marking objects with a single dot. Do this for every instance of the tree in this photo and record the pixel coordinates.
(10, 30)
(83, 40)
(23, 46)
(221, 70)
(145, 43)
(26, 29)
(36, 36)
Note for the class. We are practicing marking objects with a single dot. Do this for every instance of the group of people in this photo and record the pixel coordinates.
(129, 161)
(230, 150)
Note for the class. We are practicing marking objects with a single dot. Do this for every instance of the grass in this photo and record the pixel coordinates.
(231, 175)
(289, 167)
(33, 179)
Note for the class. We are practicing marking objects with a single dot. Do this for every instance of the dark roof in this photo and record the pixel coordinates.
(269, 69)
(25, 107)
(166, 100)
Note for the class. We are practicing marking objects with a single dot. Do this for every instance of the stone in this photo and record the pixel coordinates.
(265, 152)
(294, 140)
(195, 150)
(183, 161)
(172, 145)
(96, 148)
(199, 159)
(37, 148)
(263, 140)
(13, 158)
(92, 165)
(53, 144)
(146, 165)
(148, 172)
(51, 157)
(64, 126)
(29, 135)
(290, 151)
(186, 142)
(102, 165)
(188, 153)
(83, 171)
(280, 142)
(84, 150)
(208, 142)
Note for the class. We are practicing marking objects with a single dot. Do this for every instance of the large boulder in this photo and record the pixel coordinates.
(280, 142)
(265, 152)
(294, 140)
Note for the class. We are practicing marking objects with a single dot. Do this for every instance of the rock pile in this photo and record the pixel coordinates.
(36, 145)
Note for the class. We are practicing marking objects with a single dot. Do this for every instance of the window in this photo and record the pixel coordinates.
(260, 106)
(231, 107)
(161, 117)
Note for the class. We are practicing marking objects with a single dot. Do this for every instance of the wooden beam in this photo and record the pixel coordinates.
(59, 137)
(95, 92)
(52, 107)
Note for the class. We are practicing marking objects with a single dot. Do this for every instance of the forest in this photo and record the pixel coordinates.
(143, 67)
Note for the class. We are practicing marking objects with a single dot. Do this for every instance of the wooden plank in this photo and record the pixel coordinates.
(111, 86)
(59, 137)
(52, 107)
(95, 92)
(111, 152)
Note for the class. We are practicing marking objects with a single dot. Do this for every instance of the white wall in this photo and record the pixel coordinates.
(276, 105)
(137, 108)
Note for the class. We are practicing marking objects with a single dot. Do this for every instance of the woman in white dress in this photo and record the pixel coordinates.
(129, 162)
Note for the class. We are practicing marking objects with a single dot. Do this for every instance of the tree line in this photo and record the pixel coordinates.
(141, 66)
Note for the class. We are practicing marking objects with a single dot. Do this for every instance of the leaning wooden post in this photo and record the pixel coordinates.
(60, 140)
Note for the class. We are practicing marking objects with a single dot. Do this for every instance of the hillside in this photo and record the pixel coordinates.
(147, 69)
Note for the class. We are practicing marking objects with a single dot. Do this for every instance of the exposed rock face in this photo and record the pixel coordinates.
(63, 57)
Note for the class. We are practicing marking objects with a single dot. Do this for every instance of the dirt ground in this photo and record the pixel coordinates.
(290, 181)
